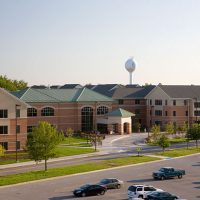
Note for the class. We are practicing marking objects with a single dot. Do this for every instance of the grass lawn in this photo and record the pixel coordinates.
(177, 140)
(60, 151)
(179, 152)
(70, 151)
(30, 176)
(74, 140)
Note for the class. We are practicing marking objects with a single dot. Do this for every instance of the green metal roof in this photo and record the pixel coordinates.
(32, 95)
(119, 112)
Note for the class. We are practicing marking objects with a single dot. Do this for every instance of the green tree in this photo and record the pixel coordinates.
(169, 128)
(12, 85)
(69, 133)
(137, 127)
(2, 150)
(193, 133)
(155, 130)
(163, 141)
(43, 141)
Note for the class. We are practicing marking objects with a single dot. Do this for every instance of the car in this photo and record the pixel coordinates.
(111, 183)
(168, 172)
(160, 195)
(89, 190)
(140, 191)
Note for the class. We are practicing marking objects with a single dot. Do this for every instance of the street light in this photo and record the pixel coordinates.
(16, 116)
(196, 107)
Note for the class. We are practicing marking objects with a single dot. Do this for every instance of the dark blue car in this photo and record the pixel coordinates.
(160, 195)
(89, 190)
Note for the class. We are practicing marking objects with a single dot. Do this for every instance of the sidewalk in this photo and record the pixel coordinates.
(103, 150)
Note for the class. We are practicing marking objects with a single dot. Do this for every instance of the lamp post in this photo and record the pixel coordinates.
(196, 107)
(16, 116)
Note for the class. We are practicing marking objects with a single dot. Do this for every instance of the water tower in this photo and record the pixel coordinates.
(130, 67)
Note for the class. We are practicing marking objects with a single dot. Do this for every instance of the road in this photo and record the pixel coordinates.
(113, 147)
(61, 188)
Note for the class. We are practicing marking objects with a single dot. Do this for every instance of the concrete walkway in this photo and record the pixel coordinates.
(102, 150)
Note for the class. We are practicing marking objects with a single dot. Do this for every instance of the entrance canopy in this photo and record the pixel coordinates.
(118, 121)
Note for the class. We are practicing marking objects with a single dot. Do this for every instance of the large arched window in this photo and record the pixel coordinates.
(102, 110)
(31, 112)
(47, 111)
(87, 119)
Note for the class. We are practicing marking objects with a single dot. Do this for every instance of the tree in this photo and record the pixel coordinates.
(12, 85)
(193, 133)
(169, 128)
(43, 141)
(69, 133)
(155, 129)
(2, 150)
(163, 141)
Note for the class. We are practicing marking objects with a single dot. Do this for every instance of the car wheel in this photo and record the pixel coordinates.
(118, 186)
(102, 192)
(83, 194)
(162, 178)
(140, 196)
(180, 176)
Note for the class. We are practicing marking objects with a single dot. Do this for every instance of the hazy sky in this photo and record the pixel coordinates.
(88, 41)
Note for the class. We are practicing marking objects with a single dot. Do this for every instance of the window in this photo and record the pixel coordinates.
(186, 113)
(150, 102)
(137, 101)
(3, 113)
(137, 111)
(150, 112)
(4, 145)
(18, 129)
(31, 112)
(18, 144)
(17, 112)
(3, 129)
(174, 113)
(121, 101)
(166, 113)
(30, 129)
(185, 102)
(158, 112)
(47, 111)
(197, 113)
(102, 110)
(158, 102)
(87, 119)
(166, 103)
(174, 102)
(197, 104)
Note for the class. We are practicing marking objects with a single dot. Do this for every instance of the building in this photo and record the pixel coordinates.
(13, 121)
(108, 108)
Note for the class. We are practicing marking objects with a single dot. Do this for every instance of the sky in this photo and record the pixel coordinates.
(55, 42)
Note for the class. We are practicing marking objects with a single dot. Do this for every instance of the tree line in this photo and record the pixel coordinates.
(12, 85)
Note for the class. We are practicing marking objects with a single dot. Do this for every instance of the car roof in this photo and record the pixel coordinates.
(141, 185)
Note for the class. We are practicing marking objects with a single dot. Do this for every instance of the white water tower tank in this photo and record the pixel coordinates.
(130, 66)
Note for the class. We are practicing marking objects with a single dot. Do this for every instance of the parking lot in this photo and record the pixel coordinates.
(61, 188)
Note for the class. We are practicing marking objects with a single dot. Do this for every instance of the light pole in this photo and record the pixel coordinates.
(16, 131)
(196, 107)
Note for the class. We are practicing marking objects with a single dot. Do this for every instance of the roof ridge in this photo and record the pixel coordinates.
(80, 93)
(37, 90)
(25, 92)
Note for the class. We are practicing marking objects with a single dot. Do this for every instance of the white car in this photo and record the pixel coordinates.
(140, 191)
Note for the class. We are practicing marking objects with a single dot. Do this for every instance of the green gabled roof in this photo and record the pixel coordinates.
(85, 94)
(119, 112)
(32, 95)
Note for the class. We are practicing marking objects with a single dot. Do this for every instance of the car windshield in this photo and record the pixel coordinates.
(132, 188)
(104, 181)
(162, 169)
(84, 186)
